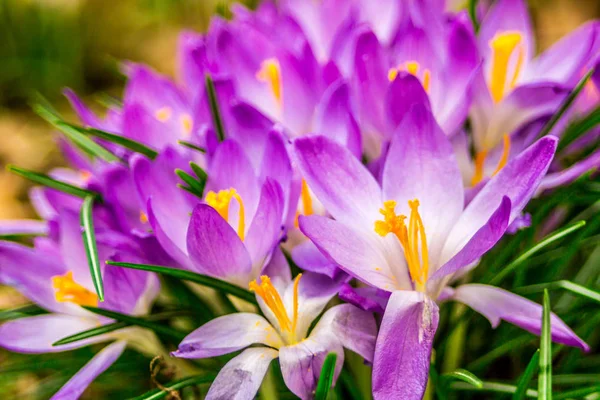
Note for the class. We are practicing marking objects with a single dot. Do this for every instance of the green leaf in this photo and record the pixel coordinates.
(465, 376)
(526, 377)
(189, 190)
(566, 104)
(101, 330)
(545, 376)
(89, 242)
(543, 243)
(45, 180)
(578, 128)
(176, 385)
(577, 393)
(326, 377)
(193, 277)
(21, 312)
(127, 143)
(498, 352)
(214, 108)
(200, 173)
(495, 387)
(571, 287)
(192, 146)
(472, 7)
(144, 323)
(196, 186)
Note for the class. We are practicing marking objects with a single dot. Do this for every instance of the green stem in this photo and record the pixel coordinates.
(456, 341)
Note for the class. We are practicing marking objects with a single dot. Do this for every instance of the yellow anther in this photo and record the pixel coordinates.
(426, 79)
(220, 202)
(413, 68)
(163, 114)
(392, 74)
(143, 217)
(187, 124)
(67, 290)
(503, 46)
(412, 239)
(306, 199)
(270, 72)
(481, 157)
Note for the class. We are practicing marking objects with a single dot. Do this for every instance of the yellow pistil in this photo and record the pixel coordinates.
(503, 46)
(163, 114)
(411, 238)
(220, 202)
(306, 199)
(143, 217)
(412, 67)
(482, 155)
(187, 124)
(67, 290)
(270, 72)
(273, 300)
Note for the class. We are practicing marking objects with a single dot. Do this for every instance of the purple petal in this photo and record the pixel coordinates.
(403, 350)
(404, 93)
(365, 298)
(497, 304)
(339, 180)
(570, 174)
(276, 164)
(23, 227)
(308, 257)
(75, 387)
(215, 248)
(241, 377)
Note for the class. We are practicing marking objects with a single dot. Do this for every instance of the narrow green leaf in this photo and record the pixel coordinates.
(498, 352)
(543, 243)
(465, 376)
(89, 242)
(176, 385)
(545, 376)
(193, 277)
(578, 128)
(326, 377)
(349, 384)
(122, 141)
(495, 387)
(524, 380)
(21, 312)
(91, 333)
(192, 182)
(214, 108)
(144, 323)
(569, 286)
(192, 146)
(566, 104)
(472, 6)
(50, 182)
(200, 173)
(577, 393)
(189, 190)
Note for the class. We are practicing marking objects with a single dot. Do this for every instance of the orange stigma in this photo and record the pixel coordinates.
(503, 46)
(270, 72)
(67, 290)
(410, 238)
(220, 202)
(482, 155)
(307, 205)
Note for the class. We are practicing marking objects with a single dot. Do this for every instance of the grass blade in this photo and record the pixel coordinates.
(192, 146)
(465, 376)
(526, 377)
(89, 242)
(127, 143)
(200, 173)
(566, 104)
(196, 186)
(176, 385)
(578, 128)
(193, 277)
(189, 190)
(326, 377)
(572, 287)
(545, 376)
(495, 387)
(577, 393)
(144, 323)
(214, 108)
(50, 182)
(473, 14)
(21, 312)
(91, 333)
(543, 243)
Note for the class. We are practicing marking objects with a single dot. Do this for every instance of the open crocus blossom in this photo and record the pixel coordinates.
(412, 234)
(289, 308)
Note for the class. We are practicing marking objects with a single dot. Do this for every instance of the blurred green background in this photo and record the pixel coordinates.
(46, 45)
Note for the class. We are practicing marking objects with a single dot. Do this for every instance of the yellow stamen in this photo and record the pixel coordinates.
(426, 80)
(163, 114)
(220, 202)
(503, 45)
(306, 199)
(67, 290)
(410, 238)
(187, 123)
(481, 157)
(412, 67)
(143, 217)
(270, 72)
(273, 300)
(392, 74)
(505, 153)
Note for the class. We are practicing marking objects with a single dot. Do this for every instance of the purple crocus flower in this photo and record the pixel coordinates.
(290, 306)
(55, 275)
(410, 235)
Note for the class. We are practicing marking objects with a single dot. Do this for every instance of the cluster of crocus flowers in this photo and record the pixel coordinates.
(342, 141)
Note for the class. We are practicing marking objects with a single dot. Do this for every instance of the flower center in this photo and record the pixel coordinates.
(67, 290)
(273, 300)
(412, 67)
(503, 46)
(482, 155)
(306, 200)
(270, 72)
(220, 202)
(410, 238)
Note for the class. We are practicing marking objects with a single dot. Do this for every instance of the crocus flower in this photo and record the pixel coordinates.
(411, 234)
(55, 275)
(290, 306)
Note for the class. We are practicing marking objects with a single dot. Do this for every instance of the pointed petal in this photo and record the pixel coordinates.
(404, 93)
(308, 257)
(365, 298)
(75, 387)
(403, 351)
(497, 304)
